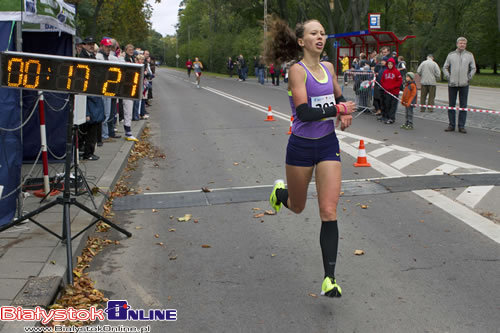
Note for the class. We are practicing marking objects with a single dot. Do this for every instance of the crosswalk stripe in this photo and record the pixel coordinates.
(405, 161)
(442, 169)
(473, 194)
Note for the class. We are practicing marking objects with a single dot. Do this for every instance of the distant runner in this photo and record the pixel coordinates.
(198, 66)
(189, 66)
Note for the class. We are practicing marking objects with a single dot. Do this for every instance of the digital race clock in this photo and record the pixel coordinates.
(71, 75)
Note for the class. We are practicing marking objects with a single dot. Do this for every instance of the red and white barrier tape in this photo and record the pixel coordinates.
(442, 107)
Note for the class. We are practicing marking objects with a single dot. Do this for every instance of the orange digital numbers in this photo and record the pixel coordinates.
(134, 85)
(70, 74)
(19, 72)
(36, 74)
(118, 79)
(87, 75)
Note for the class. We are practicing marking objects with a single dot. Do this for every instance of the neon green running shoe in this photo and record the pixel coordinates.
(273, 200)
(330, 288)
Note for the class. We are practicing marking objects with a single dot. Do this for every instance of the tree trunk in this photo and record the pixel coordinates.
(283, 10)
(96, 15)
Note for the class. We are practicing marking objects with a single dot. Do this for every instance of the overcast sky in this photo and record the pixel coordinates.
(165, 16)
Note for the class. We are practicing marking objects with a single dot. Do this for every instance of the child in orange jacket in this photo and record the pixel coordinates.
(409, 98)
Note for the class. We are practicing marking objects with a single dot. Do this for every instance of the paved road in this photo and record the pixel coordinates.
(425, 269)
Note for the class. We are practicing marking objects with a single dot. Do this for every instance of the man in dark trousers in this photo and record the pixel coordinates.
(95, 112)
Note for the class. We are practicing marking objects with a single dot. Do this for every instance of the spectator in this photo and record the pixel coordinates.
(362, 94)
(230, 66)
(244, 68)
(355, 63)
(103, 54)
(324, 57)
(345, 67)
(384, 51)
(261, 69)
(362, 61)
(401, 66)
(189, 67)
(95, 111)
(391, 81)
(429, 72)
(238, 68)
(140, 59)
(458, 69)
(373, 59)
(274, 75)
(128, 104)
(378, 92)
(78, 45)
(256, 67)
(409, 98)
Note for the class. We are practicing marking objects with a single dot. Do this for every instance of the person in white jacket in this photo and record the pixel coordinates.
(459, 69)
(429, 72)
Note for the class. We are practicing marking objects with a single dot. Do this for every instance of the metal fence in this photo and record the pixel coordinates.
(360, 81)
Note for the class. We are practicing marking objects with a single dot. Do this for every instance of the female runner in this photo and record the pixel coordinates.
(316, 99)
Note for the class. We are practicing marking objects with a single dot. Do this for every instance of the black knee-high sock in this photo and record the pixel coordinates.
(329, 241)
(282, 195)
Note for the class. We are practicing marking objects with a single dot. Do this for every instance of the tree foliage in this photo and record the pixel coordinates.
(216, 29)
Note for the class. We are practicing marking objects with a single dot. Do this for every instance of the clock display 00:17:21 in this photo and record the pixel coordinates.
(71, 76)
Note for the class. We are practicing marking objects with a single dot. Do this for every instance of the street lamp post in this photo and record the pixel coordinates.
(176, 50)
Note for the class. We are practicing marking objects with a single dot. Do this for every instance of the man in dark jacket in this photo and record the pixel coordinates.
(95, 112)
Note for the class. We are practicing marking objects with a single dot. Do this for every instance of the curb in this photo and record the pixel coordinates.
(59, 270)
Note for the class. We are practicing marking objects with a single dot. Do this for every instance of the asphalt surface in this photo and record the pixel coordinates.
(423, 270)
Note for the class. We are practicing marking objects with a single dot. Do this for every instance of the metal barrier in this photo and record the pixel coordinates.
(361, 82)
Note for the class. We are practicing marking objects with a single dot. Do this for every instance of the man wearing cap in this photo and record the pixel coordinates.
(78, 45)
(458, 69)
(429, 72)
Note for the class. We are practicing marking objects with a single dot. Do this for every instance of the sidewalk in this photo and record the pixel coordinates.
(30, 254)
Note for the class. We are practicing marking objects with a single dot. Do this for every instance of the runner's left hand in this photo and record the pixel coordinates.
(345, 121)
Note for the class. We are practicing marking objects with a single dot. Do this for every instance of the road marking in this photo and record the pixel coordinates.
(442, 169)
(380, 151)
(473, 194)
(405, 161)
(476, 221)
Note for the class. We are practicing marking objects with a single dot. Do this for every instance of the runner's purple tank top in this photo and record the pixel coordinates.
(315, 90)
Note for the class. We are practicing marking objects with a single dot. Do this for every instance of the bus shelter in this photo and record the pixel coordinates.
(351, 44)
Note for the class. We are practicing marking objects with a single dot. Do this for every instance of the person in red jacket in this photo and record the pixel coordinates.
(189, 66)
(391, 81)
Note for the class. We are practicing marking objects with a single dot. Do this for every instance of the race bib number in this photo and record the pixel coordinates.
(323, 102)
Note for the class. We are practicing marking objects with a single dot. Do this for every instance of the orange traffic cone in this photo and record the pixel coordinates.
(290, 129)
(362, 162)
(270, 114)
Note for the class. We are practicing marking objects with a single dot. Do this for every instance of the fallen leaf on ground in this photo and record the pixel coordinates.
(255, 208)
(421, 221)
(341, 193)
(236, 163)
(273, 255)
(159, 243)
(206, 189)
(359, 252)
(53, 262)
(171, 216)
(313, 295)
(157, 236)
(258, 215)
(155, 210)
(195, 221)
(206, 246)
(185, 218)
(270, 212)
(172, 258)
(138, 228)
(171, 230)
(364, 206)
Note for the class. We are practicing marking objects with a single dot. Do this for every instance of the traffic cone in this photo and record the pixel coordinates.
(362, 162)
(290, 129)
(270, 114)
